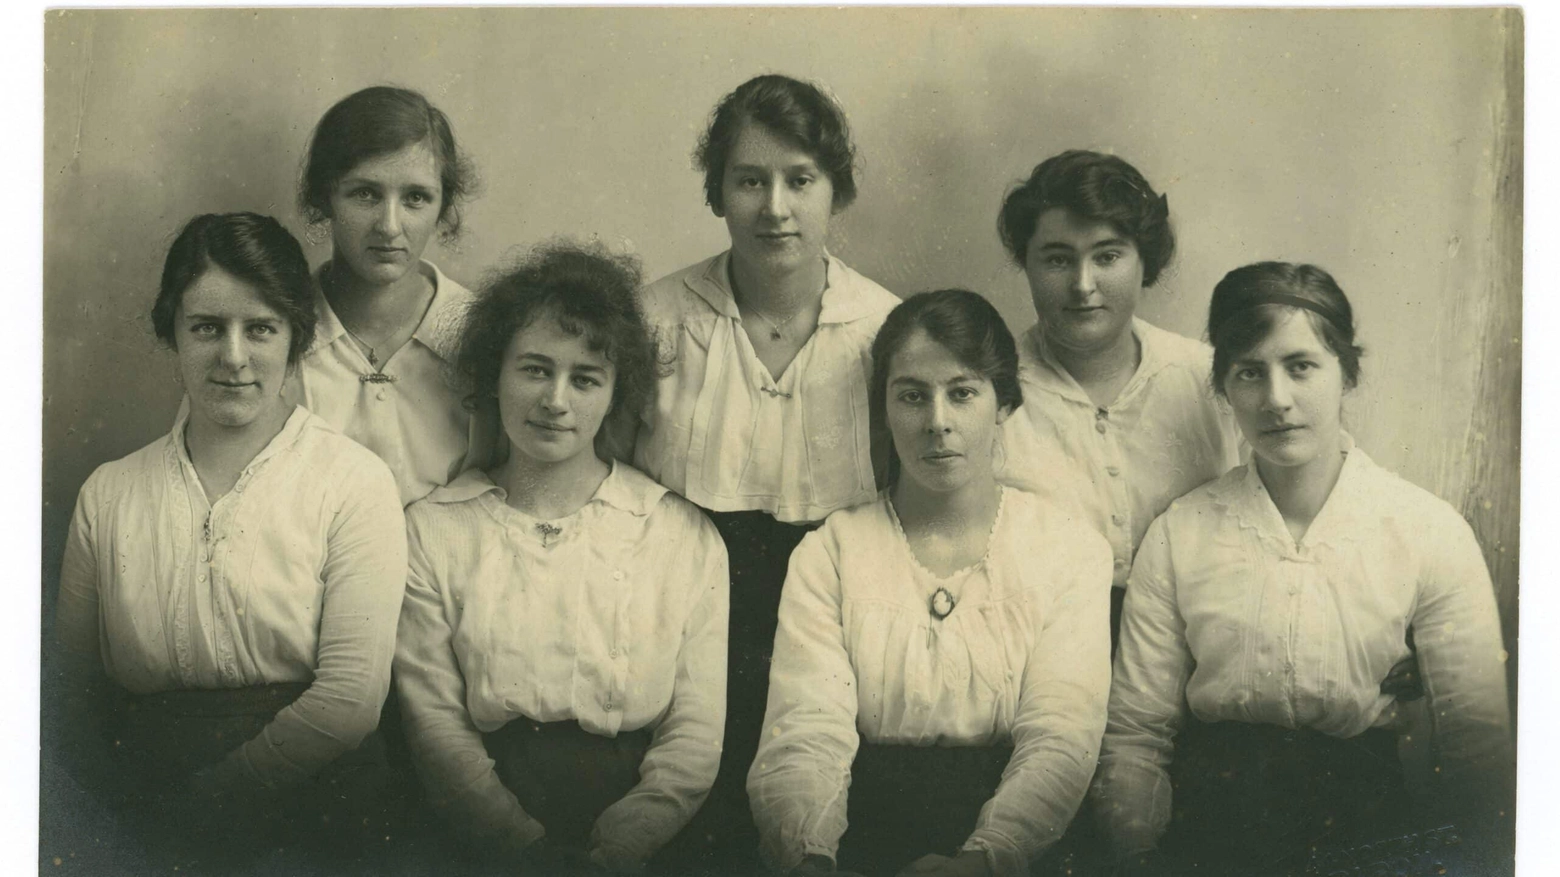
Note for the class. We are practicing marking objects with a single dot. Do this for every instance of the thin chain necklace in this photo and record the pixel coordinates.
(368, 349)
(774, 327)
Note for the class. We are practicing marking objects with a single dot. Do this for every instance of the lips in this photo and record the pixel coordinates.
(234, 385)
(1281, 431)
(941, 456)
(547, 427)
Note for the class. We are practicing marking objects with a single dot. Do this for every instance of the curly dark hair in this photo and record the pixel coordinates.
(968, 326)
(1244, 306)
(591, 293)
(1096, 187)
(795, 111)
(378, 121)
(252, 248)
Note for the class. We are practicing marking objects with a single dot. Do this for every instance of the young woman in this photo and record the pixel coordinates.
(1119, 418)
(239, 578)
(942, 662)
(1266, 607)
(562, 650)
(762, 419)
(384, 173)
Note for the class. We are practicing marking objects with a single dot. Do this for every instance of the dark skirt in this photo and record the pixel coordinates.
(1250, 798)
(338, 818)
(565, 776)
(907, 801)
(722, 838)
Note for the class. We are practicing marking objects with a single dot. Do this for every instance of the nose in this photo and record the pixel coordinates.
(388, 222)
(1280, 392)
(556, 399)
(777, 201)
(1083, 278)
(233, 352)
(938, 420)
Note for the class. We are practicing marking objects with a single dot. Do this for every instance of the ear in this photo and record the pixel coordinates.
(1003, 414)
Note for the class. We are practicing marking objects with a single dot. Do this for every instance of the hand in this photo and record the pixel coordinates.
(968, 863)
(1403, 681)
(545, 859)
(615, 860)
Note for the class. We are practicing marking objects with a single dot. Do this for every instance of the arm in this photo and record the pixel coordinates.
(684, 755)
(798, 783)
(81, 686)
(446, 746)
(1059, 719)
(365, 558)
(1457, 632)
(1131, 791)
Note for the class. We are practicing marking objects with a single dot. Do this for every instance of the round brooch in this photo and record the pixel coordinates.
(942, 603)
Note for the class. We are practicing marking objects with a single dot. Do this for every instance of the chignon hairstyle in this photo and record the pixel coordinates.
(964, 323)
(253, 249)
(1248, 302)
(374, 122)
(592, 294)
(1098, 188)
(795, 111)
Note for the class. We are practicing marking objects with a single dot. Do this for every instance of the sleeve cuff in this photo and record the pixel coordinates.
(1003, 859)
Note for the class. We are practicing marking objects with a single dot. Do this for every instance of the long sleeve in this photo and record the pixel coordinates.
(446, 746)
(684, 755)
(1131, 791)
(73, 704)
(1058, 722)
(798, 783)
(363, 585)
(1457, 630)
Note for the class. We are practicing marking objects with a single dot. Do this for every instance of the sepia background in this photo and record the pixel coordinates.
(1384, 145)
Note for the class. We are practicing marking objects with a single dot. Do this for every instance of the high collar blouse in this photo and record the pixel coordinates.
(294, 575)
(1023, 657)
(1121, 465)
(1226, 615)
(614, 616)
(416, 421)
(728, 435)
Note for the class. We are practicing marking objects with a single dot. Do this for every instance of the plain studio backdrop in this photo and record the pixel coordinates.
(1384, 146)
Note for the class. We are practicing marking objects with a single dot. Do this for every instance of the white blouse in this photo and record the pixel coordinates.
(1119, 466)
(617, 622)
(1228, 616)
(294, 575)
(1024, 657)
(416, 423)
(729, 436)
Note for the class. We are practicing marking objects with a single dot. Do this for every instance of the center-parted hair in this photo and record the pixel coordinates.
(590, 293)
(1095, 187)
(253, 249)
(967, 326)
(795, 111)
(378, 121)
(1248, 302)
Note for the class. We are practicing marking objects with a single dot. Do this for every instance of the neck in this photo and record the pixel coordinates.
(373, 308)
(550, 490)
(212, 444)
(779, 295)
(1299, 492)
(971, 507)
(1099, 366)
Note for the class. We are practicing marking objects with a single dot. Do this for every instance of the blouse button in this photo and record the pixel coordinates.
(381, 395)
(617, 575)
(202, 577)
(614, 653)
(1113, 471)
(1099, 427)
(1121, 564)
(1118, 520)
(609, 706)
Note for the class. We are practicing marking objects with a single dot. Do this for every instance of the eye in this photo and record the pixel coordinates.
(262, 329)
(1302, 367)
(1248, 374)
(1056, 260)
(586, 382)
(750, 182)
(205, 329)
(419, 199)
(533, 370)
(802, 182)
(963, 394)
(911, 397)
(363, 194)
(1109, 257)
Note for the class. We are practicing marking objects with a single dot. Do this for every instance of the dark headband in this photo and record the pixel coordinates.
(1272, 298)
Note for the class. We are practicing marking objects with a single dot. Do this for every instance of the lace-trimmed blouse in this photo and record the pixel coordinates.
(1023, 657)
(1121, 465)
(1227, 616)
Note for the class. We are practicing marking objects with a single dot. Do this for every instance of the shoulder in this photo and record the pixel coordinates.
(1176, 352)
(874, 297)
(1387, 495)
(338, 460)
(117, 479)
(1047, 529)
(670, 300)
(859, 530)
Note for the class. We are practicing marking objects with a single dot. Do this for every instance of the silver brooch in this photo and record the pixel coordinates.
(548, 532)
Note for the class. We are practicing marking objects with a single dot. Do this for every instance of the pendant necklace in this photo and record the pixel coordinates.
(774, 328)
(377, 376)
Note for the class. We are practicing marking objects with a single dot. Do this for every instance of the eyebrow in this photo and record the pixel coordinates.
(1288, 357)
(221, 317)
(1108, 242)
(960, 378)
(547, 360)
(809, 165)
